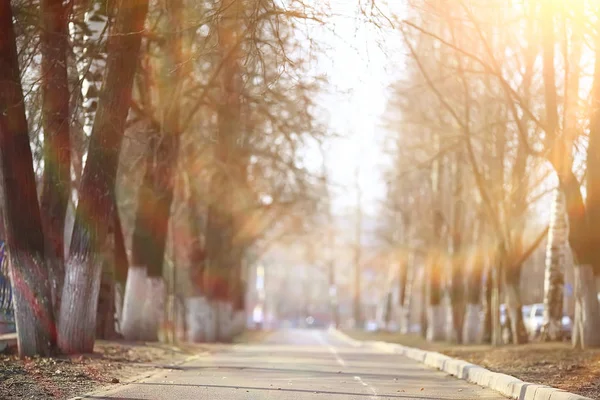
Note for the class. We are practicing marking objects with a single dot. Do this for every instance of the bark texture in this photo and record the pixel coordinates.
(486, 329)
(457, 262)
(220, 230)
(55, 122)
(583, 216)
(436, 317)
(77, 321)
(156, 193)
(133, 302)
(554, 279)
(587, 309)
(106, 309)
(22, 220)
(472, 326)
(406, 305)
(92, 67)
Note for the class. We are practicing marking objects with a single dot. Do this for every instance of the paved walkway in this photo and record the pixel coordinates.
(299, 365)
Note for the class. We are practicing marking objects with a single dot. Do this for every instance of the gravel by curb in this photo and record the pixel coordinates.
(507, 385)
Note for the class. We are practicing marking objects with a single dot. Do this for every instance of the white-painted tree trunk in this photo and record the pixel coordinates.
(586, 324)
(196, 318)
(79, 299)
(180, 321)
(239, 322)
(449, 320)
(143, 306)
(211, 323)
(133, 303)
(92, 70)
(555, 263)
(119, 297)
(404, 319)
(436, 323)
(153, 313)
(472, 326)
(513, 309)
(225, 311)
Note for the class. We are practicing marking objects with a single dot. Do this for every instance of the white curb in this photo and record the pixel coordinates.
(507, 385)
(345, 338)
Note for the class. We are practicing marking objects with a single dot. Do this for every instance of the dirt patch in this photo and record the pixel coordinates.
(65, 377)
(552, 364)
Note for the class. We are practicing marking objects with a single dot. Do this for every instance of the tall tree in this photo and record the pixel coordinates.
(56, 124)
(77, 317)
(554, 275)
(220, 220)
(22, 220)
(156, 192)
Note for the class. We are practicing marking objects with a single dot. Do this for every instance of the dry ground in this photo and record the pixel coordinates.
(65, 377)
(552, 364)
(111, 363)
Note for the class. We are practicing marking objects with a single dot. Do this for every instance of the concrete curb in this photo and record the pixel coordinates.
(114, 388)
(505, 384)
(345, 338)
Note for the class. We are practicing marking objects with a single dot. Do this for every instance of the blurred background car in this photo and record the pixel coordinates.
(536, 320)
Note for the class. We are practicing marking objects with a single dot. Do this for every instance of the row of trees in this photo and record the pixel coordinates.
(154, 122)
(496, 117)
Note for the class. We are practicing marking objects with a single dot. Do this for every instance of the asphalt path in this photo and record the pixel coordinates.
(300, 364)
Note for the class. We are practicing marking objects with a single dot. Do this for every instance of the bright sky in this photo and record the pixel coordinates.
(358, 71)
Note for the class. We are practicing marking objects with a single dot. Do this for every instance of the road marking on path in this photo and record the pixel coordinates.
(331, 349)
(371, 388)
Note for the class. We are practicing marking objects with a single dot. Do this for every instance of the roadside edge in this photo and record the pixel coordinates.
(507, 385)
(344, 338)
(114, 388)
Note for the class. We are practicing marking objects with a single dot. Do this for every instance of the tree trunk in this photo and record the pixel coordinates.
(514, 312)
(587, 309)
(486, 329)
(457, 297)
(220, 223)
(55, 121)
(424, 298)
(472, 322)
(110, 297)
(583, 218)
(93, 67)
(512, 283)
(407, 294)
(457, 261)
(22, 220)
(121, 267)
(586, 320)
(77, 322)
(436, 317)
(587, 315)
(105, 319)
(554, 276)
(495, 299)
(196, 305)
(435, 310)
(156, 193)
(397, 308)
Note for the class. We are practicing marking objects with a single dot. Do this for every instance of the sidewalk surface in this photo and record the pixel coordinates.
(300, 364)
